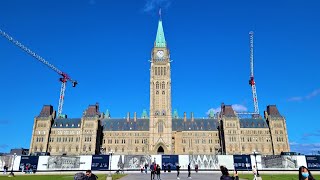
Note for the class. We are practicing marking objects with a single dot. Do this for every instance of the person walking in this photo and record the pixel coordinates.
(169, 168)
(4, 169)
(254, 171)
(178, 171)
(152, 171)
(146, 168)
(226, 175)
(164, 167)
(189, 171)
(196, 168)
(305, 174)
(158, 172)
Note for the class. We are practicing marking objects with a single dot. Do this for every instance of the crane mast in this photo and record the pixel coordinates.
(251, 81)
(64, 79)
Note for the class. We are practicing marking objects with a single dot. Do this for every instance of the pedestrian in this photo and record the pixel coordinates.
(152, 170)
(27, 169)
(305, 174)
(22, 168)
(196, 168)
(226, 175)
(189, 171)
(146, 168)
(254, 171)
(141, 169)
(5, 169)
(90, 175)
(169, 168)
(158, 172)
(164, 167)
(178, 171)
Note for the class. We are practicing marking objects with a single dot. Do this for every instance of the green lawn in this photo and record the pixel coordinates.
(274, 177)
(54, 177)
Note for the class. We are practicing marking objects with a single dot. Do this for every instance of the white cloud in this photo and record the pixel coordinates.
(156, 4)
(305, 148)
(313, 94)
(309, 96)
(236, 107)
(239, 108)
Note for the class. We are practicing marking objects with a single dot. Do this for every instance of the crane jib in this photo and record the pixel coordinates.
(65, 76)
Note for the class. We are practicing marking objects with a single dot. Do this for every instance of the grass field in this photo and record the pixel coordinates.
(54, 177)
(275, 177)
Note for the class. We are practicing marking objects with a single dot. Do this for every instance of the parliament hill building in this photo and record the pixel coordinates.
(160, 131)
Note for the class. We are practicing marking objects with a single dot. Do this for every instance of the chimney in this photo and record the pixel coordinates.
(185, 117)
(128, 117)
(192, 118)
(135, 117)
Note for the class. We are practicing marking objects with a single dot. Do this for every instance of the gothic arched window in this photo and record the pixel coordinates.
(163, 85)
(164, 71)
(160, 127)
(157, 85)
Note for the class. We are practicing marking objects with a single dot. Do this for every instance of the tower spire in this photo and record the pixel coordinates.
(160, 39)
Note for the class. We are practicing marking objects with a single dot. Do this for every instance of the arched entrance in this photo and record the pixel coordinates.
(160, 150)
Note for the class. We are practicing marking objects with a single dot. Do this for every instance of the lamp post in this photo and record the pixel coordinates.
(255, 158)
(14, 157)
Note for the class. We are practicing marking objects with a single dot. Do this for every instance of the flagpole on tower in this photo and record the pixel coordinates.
(160, 14)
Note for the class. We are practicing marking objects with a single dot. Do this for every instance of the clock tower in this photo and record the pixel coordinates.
(160, 97)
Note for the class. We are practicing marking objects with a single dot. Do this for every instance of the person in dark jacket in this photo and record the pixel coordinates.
(178, 171)
(90, 175)
(189, 171)
(169, 168)
(305, 174)
(226, 175)
(158, 172)
(152, 170)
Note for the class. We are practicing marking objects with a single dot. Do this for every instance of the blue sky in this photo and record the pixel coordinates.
(106, 45)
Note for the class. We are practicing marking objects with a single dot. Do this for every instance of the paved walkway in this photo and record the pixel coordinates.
(173, 176)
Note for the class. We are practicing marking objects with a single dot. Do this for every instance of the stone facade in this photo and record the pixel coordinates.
(163, 132)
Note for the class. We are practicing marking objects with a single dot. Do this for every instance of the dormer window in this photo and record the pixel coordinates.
(67, 125)
(72, 125)
(78, 125)
(60, 125)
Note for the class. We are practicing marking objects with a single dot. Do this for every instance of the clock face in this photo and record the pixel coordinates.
(160, 54)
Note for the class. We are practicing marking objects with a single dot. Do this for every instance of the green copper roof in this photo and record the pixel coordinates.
(175, 114)
(211, 114)
(144, 114)
(160, 39)
(107, 115)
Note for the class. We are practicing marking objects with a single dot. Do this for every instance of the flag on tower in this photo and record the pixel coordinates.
(160, 12)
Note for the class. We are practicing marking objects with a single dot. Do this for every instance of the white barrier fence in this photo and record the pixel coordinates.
(135, 162)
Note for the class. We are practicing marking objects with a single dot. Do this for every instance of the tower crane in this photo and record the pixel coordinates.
(251, 81)
(64, 76)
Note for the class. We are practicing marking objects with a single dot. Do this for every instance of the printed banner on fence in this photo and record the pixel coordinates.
(29, 163)
(170, 161)
(100, 162)
(242, 162)
(313, 161)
